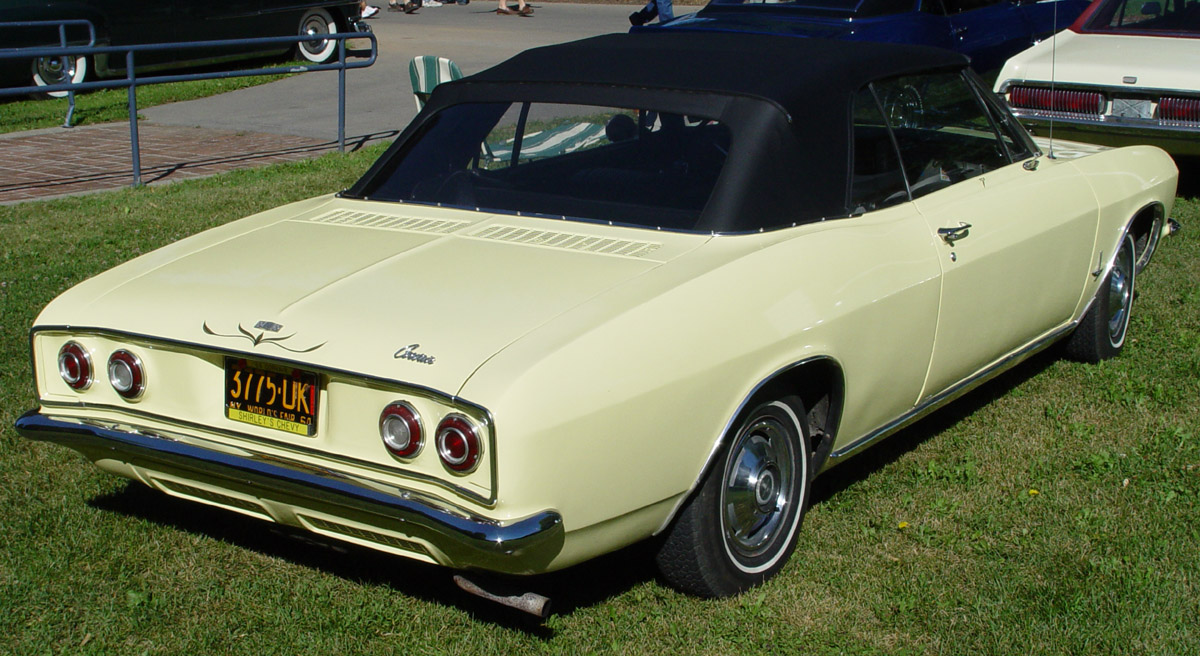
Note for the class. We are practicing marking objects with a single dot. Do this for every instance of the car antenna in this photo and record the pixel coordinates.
(1053, 56)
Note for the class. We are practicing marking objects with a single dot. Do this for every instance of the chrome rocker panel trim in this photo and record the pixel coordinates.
(952, 393)
(465, 540)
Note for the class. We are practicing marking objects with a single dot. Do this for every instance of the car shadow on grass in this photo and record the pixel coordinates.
(582, 586)
(1189, 176)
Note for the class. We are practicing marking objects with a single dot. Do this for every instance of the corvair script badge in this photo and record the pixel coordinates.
(261, 338)
(410, 353)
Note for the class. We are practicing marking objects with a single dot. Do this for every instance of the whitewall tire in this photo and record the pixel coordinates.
(317, 23)
(58, 70)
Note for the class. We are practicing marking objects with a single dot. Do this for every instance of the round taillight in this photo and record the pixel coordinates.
(75, 366)
(400, 428)
(458, 444)
(126, 375)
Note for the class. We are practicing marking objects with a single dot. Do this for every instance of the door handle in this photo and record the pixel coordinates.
(951, 235)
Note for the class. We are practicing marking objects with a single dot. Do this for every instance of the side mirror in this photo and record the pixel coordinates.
(1151, 9)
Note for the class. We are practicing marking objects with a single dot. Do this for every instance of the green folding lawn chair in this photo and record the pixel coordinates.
(559, 140)
(428, 71)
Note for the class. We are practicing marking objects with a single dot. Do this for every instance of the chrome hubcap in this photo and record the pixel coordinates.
(1120, 295)
(759, 478)
(55, 70)
(314, 27)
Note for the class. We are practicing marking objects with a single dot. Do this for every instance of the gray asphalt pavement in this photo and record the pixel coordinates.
(379, 98)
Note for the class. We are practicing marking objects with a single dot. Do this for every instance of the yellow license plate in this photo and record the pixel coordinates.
(276, 397)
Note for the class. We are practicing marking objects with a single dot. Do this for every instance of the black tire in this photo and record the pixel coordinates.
(317, 22)
(741, 526)
(1101, 333)
(51, 70)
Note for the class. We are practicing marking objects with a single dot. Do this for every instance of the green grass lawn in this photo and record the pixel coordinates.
(1052, 511)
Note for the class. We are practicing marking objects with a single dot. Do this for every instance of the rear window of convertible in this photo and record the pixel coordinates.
(622, 165)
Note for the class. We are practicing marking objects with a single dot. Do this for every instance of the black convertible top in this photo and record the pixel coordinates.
(803, 76)
(787, 100)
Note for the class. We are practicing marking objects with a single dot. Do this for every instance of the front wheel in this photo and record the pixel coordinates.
(317, 23)
(740, 527)
(58, 70)
(1101, 333)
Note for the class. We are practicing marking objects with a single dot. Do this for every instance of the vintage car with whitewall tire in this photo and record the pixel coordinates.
(120, 23)
(594, 296)
(1126, 72)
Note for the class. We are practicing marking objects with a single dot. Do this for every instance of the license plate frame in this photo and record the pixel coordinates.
(273, 396)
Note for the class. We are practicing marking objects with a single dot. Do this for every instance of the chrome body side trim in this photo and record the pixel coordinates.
(464, 539)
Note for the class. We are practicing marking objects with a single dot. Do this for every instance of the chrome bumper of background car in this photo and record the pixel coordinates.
(464, 540)
(1178, 138)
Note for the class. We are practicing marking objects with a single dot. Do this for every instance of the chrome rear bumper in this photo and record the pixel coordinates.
(1178, 139)
(459, 538)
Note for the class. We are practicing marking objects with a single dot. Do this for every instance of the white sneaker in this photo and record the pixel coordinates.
(431, 3)
(370, 11)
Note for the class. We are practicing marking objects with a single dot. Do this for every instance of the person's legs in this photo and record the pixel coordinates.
(665, 11)
(522, 8)
(645, 14)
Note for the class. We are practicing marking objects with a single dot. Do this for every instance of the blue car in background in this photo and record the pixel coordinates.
(987, 31)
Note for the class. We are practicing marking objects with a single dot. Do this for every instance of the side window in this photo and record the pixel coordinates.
(878, 180)
(944, 132)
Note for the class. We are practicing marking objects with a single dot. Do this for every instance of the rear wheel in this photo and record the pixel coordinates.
(741, 525)
(58, 70)
(1101, 333)
(317, 23)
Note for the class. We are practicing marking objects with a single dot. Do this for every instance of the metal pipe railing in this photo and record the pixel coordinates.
(131, 79)
(62, 41)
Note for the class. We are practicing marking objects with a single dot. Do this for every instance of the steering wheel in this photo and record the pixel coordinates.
(903, 107)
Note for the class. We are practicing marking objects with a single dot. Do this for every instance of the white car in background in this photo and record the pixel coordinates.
(1126, 72)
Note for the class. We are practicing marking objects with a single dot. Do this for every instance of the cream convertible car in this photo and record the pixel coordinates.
(600, 293)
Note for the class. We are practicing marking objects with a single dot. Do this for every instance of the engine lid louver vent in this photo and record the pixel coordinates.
(388, 221)
(568, 241)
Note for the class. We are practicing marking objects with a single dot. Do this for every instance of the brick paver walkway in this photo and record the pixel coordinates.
(58, 161)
